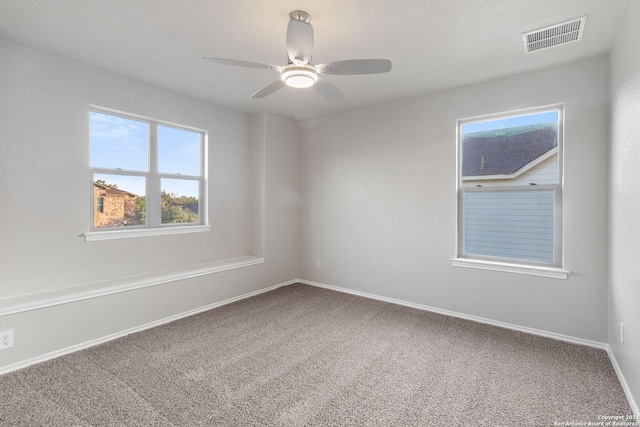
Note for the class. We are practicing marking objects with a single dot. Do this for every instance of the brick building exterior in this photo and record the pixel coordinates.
(112, 207)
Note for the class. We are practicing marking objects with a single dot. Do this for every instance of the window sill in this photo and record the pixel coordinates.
(552, 272)
(143, 232)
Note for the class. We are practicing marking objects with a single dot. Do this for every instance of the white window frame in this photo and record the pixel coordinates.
(553, 269)
(153, 177)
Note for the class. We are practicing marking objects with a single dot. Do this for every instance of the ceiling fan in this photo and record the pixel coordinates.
(299, 72)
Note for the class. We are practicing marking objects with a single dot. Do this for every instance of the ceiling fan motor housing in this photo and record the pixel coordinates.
(300, 15)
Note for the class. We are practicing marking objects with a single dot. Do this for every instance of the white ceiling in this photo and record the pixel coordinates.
(433, 44)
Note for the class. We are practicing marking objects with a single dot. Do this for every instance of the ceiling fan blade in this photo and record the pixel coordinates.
(328, 90)
(246, 64)
(356, 66)
(269, 89)
(299, 41)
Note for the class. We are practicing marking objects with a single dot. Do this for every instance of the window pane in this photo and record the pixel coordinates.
(509, 224)
(118, 200)
(118, 143)
(178, 151)
(179, 201)
(505, 148)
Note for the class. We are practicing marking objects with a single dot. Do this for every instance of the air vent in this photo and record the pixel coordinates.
(555, 35)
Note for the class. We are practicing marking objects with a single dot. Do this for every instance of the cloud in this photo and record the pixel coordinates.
(121, 134)
(118, 143)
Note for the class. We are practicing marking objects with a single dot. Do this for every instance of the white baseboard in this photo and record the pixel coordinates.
(623, 382)
(547, 334)
(553, 335)
(525, 329)
(72, 349)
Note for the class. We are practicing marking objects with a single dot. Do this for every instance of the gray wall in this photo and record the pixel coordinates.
(46, 189)
(378, 203)
(624, 190)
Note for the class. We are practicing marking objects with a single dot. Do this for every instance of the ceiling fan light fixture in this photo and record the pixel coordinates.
(299, 76)
(299, 72)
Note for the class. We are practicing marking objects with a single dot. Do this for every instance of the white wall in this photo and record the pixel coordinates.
(280, 139)
(624, 190)
(378, 203)
(45, 188)
(45, 178)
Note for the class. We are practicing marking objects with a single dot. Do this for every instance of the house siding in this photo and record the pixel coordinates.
(510, 224)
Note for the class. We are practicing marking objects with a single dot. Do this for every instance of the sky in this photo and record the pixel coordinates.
(493, 124)
(123, 144)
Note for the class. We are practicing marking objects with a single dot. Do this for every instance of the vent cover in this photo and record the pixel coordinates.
(555, 35)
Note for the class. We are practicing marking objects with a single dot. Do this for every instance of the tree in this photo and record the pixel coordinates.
(103, 182)
(174, 209)
(141, 210)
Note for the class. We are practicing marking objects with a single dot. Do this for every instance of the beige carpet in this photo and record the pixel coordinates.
(304, 356)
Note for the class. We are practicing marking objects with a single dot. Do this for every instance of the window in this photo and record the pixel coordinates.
(145, 174)
(510, 190)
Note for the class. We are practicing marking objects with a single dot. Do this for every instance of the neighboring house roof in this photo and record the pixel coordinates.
(507, 151)
(113, 191)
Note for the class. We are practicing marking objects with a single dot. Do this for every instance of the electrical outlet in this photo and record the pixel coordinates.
(6, 339)
(318, 263)
(621, 333)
